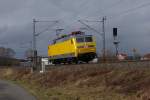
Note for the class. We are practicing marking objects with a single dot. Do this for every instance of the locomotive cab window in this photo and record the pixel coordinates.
(80, 39)
(88, 39)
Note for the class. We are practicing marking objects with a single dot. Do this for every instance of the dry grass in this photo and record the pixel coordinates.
(86, 82)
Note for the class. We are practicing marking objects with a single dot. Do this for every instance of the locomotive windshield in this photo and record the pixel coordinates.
(88, 39)
(80, 39)
(84, 39)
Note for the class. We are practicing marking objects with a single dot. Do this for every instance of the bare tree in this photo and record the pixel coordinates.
(7, 52)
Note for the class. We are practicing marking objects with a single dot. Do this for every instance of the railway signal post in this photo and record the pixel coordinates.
(116, 42)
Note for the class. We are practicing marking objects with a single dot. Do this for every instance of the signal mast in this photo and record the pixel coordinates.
(116, 42)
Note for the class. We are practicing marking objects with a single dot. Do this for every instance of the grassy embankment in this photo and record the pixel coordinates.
(86, 82)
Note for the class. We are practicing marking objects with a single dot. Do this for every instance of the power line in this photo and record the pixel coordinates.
(113, 5)
(46, 29)
(116, 4)
(35, 34)
(132, 9)
(89, 27)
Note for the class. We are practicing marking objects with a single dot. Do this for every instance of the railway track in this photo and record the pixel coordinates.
(111, 64)
(127, 63)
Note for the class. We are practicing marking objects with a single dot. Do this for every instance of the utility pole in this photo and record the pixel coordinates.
(35, 34)
(104, 39)
(34, 47)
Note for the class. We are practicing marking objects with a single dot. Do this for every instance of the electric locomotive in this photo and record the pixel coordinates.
(73, 48)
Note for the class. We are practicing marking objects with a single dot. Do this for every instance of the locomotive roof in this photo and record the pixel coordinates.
(73, 34)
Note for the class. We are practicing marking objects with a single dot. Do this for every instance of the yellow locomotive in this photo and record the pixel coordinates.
(72, 48)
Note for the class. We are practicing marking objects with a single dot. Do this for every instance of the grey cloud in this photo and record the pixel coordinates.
(16, 21)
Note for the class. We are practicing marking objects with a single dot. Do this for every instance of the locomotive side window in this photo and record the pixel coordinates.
(80, 39)
(88, 39)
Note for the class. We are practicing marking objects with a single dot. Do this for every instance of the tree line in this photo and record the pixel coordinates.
(7, 57)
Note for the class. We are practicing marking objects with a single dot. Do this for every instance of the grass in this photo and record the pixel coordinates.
(84, 82)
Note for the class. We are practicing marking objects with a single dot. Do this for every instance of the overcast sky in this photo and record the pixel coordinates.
(132, 17)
